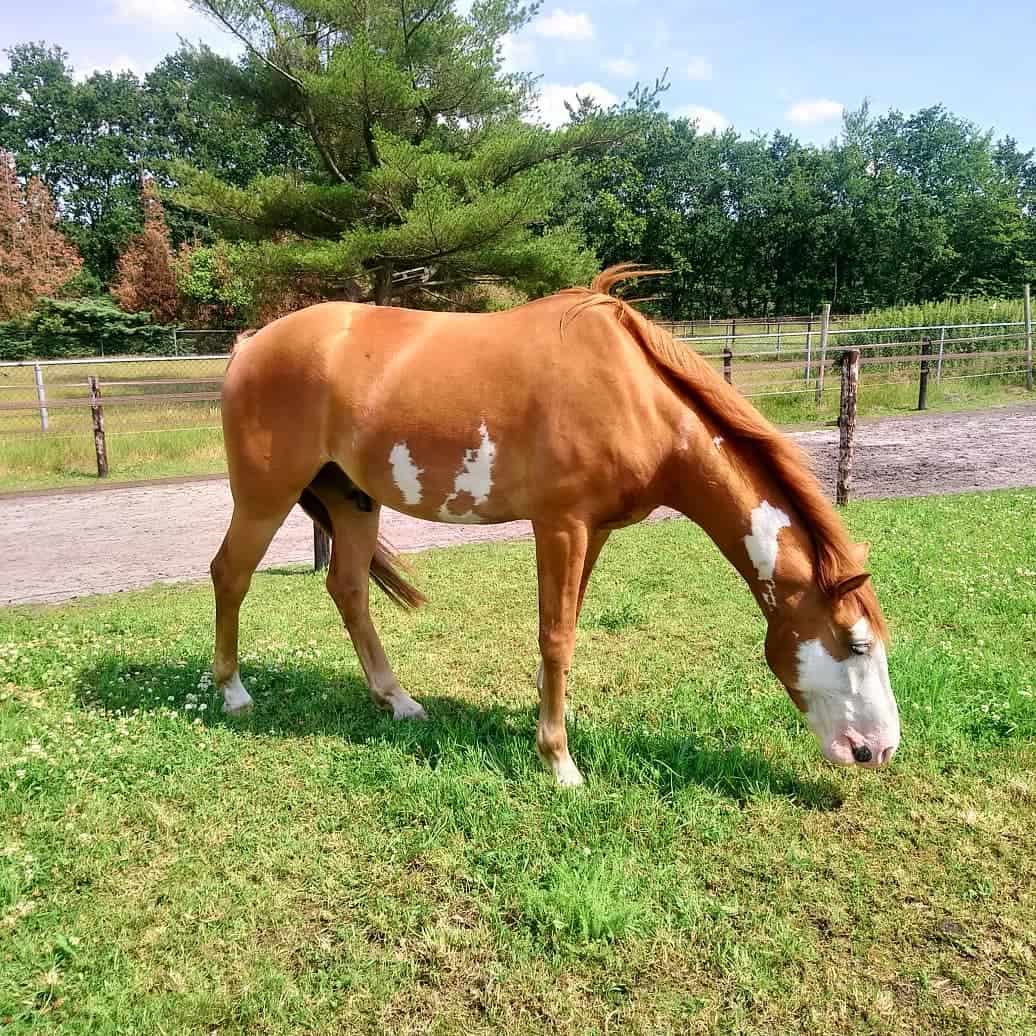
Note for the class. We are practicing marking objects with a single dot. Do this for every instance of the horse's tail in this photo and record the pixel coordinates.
(386, 566)
(386, 571)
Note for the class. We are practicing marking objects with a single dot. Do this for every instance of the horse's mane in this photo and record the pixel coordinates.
(834, 557)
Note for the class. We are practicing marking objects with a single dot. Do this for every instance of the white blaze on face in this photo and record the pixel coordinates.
(406, 474)
(474, 478)
(849, 703)
(762, 545)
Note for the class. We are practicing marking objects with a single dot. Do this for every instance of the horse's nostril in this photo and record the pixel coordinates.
(861, 753)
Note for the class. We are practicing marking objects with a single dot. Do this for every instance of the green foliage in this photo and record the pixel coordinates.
(83, 327)
(213, 281)
(901, 209)
(424, 160)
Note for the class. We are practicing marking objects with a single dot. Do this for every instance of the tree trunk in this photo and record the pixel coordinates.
(383, 285)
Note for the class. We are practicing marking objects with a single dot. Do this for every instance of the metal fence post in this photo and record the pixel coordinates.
(825, 327)
(809, 349)
(942, 344)
(41, 395)
(922, 390)
(847, 422)
(97, 412)
(1028, 339)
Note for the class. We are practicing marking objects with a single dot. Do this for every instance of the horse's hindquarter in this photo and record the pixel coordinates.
(489, 418)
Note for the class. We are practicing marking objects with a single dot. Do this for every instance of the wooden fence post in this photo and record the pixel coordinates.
(1028, 339)
(96, 411)
(321, 549)
(922, 390)
(41, 395)
(847, 422)
(728, 360)
(825, 327)
(809, 349)
(942, 346)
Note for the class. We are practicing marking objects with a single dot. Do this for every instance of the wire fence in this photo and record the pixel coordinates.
(162, 407)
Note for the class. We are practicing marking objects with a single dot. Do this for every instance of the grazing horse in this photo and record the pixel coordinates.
(575, 412)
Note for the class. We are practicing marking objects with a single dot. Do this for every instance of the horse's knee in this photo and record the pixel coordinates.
(351, 600)
(556, 649)
(227, 580)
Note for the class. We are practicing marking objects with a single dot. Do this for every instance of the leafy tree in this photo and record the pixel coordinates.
(35, 258)
(426, 172)
(57, 328)
(85, 140)
(145, 281)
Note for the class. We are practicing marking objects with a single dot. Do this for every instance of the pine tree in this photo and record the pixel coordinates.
(35, 258)
(423, 172)
(145, 280)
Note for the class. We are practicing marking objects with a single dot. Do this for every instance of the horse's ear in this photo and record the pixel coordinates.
(861, 551)
(847, 585)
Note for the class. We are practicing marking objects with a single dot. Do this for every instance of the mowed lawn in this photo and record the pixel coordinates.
(317, 868)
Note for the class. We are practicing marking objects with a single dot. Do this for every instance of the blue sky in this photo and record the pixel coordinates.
(755, 65)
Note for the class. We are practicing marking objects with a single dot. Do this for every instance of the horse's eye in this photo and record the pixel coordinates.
(860, 647)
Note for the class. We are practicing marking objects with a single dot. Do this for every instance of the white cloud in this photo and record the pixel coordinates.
(165, 14)
(517, 55)
(553, 96)
(820, 110)
(123, 63)
(622, 68)
(699, 68)
(707, 119)
(565, 25)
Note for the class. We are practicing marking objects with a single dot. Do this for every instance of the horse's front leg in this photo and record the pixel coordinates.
(560, 553)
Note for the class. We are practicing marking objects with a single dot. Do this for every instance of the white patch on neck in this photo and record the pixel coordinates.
(406, 474)
(762, 546)
(475, 478)
(761, 542)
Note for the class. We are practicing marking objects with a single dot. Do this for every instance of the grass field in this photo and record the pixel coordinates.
(316, 868)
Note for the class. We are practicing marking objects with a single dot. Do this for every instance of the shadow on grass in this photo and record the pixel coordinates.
(298, 700)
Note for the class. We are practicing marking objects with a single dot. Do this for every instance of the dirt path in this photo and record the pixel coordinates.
(60, 545)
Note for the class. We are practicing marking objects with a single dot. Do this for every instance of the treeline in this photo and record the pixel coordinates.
(386, 155)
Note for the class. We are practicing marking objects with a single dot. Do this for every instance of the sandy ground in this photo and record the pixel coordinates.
(61, 545)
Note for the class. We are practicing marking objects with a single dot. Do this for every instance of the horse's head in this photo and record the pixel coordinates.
(831, 657)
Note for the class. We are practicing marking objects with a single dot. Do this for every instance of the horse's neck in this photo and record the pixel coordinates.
(740, 506)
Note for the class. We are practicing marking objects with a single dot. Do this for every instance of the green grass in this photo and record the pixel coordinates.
(317, 868)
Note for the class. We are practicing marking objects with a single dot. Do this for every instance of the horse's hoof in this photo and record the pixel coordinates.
(408, 709)
(236, 700)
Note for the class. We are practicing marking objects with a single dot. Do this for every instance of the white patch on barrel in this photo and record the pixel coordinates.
(475, 478)
(406, 474)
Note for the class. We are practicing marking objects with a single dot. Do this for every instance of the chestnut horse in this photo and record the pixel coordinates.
(575, 412)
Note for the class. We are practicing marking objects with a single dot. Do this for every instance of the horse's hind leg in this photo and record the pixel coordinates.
(242, 549)
(355, 537)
